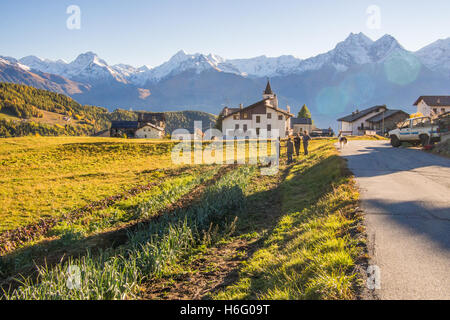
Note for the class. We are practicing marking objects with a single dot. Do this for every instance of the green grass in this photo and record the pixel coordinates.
(41, 177)
(311, 253)
(118, 274)
(308, 250)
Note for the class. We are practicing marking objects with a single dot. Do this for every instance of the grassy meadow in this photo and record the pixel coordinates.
(44, 176)
(291, 235)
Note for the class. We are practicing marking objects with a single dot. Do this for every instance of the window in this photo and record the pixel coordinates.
(257, 131)
(280, 117)
(258, 119)
(236, 117)
(404, 125)
(245, 115)
(435, 110)
(443, 110)
(245, 128)
(236, 127)
(269, 116)
(420, 122)
(269, 127)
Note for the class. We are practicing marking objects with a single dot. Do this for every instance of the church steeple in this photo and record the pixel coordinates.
(268, 93)
(268, 88)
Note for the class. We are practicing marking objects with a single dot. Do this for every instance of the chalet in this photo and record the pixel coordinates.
(257, 119)
(356, 123)
(387, 120)
(148, 126)
(432, 106)
(371, 120)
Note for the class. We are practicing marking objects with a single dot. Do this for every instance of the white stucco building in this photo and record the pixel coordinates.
(356, 123)
(149, 131)
(433, 105)
(257, 119)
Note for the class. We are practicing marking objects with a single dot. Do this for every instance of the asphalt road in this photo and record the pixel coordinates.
(405, 196)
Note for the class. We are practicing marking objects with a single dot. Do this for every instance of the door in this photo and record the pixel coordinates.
(405, 130)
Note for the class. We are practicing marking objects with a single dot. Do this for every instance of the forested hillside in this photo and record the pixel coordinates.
(25, 111)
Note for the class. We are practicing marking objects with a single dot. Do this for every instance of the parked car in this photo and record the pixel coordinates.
(421, 130)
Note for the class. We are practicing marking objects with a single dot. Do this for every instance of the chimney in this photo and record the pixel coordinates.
(288, 108)
(225, 111)
(241, 106)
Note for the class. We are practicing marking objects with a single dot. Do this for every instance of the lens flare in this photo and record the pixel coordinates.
(331, 100)
(402, 68)
(360, 88)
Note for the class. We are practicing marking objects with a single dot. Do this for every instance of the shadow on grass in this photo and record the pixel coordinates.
(24, 261)
(300, 189)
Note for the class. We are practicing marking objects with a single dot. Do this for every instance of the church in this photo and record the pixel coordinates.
(259, 119)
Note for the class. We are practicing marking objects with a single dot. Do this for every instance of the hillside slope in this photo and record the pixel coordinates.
(26, 110)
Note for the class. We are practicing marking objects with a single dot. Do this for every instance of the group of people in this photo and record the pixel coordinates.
(291, 145)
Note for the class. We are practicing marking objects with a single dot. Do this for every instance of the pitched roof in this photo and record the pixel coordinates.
(357, 115)
(256, 104)
(124, 124)
(387, 114)
(434, 100)
(300, 121)
(268, 88)
(230, 110)
(152, 125)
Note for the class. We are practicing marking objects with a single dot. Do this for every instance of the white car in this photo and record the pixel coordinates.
(416, 130)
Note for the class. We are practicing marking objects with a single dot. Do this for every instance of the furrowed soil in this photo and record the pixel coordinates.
(216, 267)
(49, 255)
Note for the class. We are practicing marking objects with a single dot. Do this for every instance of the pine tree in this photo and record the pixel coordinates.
(304, 112)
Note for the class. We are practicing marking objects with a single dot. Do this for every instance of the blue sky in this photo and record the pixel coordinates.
(149, 32)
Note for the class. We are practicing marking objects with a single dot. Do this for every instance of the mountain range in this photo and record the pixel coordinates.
(357, 73)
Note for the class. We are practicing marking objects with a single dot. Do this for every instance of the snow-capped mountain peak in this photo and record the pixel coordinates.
(436, 56)
(84, 59)
(384, 47)
(356, 49)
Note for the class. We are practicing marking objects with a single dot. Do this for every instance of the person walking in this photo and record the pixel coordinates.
(306, 139)
(290, 150)
(297, 141)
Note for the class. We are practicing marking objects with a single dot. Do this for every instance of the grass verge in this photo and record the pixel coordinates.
(313, 250)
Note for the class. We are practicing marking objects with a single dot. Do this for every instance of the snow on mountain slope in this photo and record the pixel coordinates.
(436, 56)
(264, 66)
(15, 72)
(356, 49)
(89, 67)
(44, 65)
(181, 62)
(86, 67)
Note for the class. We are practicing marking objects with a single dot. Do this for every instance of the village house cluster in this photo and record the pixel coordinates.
(265, 118)
(380, 119)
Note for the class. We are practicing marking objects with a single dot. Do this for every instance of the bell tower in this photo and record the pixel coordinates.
(268, 93)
